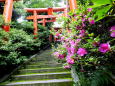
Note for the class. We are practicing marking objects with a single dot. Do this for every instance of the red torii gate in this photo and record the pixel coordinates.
(7, 14)
(72, 5)
(44, 18)
(9, 7)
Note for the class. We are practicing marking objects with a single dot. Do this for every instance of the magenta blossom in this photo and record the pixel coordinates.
(78, 27)
(85, 16)
(56, 54)
(83, 19)
(92, 21)
(105, 47)
(61, 56)
(67, 39)
(82, 33)
(78, 40)
(112, 31)
(72, 42)
(83, 24)
(69, 50)
(70, 61)
(112, 28)
(89, 9)
(57, 35)
(67, 66)
(62, 38)
(73, 50)
(113, 34)
(81, 51)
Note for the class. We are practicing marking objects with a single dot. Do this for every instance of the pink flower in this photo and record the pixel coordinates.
(83, 19)
(112, 28)
(92, 22)
(85, 16)
(78, 40)
(62, 38)
(89, 9)
(112, 31)
(57, 35)
(82, 33)
(81, 51)
(70, 61)
(112, 34)
(56, 54)
(83, 24)
(61, 56)
(72, 42)
(105, 47)
(67, 66)
(69, 50)
(73, 50)
(75, 15)
(78, 27)
(67, 39)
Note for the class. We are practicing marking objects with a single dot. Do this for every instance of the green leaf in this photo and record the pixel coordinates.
(101, 2)
(102, 12)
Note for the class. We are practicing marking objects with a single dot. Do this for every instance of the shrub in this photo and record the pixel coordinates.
(1, 20)
(88, 47)
(15, 46)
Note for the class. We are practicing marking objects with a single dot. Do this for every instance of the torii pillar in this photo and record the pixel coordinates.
(50, 12)
(35, 24)
(72, 5)
(7, 14)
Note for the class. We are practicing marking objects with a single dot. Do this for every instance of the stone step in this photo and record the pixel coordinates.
(42, 62)
(42, 66)
(41, 76)
(42, 59)
(53, 82)
(42, 70)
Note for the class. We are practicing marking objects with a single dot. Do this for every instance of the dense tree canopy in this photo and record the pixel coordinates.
(41, 3)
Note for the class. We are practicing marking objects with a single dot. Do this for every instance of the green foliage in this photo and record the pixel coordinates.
(97, 78)
(25, 25)
(19, 7)
(18, 10)
(15, 46)
(43, 34)
(1, 20)
(103, 8)
(41, 3)
(94, 68)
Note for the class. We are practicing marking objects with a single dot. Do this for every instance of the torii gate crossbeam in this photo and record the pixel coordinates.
(72, 6)
(35, 15)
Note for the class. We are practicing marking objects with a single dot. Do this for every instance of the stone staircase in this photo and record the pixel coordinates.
(42, 70)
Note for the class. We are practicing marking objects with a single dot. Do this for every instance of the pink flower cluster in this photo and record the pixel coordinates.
(73, 46)
(58, 55)
(67, 66)
(89, 9)
(70, 61)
